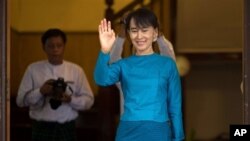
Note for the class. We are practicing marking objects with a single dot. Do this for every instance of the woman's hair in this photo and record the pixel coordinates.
(53, 32)
(143, 18)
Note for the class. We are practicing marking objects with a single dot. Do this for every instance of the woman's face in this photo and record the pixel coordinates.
(142, 38)
(54, 48)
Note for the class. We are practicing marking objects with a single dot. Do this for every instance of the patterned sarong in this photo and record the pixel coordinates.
(53, 131)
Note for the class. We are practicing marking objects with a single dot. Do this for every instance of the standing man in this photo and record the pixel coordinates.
(54, 90)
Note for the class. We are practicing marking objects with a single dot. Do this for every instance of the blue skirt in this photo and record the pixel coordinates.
(143, 131)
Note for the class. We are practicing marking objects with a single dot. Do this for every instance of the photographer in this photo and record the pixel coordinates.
(54, 90)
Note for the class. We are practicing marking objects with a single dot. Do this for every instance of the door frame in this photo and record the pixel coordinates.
(4, 71)
(245, 63)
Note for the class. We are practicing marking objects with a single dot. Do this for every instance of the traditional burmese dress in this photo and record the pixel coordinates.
(152, 96)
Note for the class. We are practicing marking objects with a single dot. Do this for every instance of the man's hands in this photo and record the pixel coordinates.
(66, 98)
(47, 90)
(106, 36)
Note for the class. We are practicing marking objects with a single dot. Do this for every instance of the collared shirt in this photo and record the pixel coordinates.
(35, 76)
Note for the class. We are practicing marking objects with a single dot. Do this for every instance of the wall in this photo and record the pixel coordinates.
(211, 26)
(212, 30)
(70, 15)
(212, 97)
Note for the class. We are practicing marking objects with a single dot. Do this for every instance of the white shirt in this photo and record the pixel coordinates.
(35, 76)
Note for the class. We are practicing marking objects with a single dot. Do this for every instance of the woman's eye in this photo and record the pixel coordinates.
(144, 30)
(134, 30)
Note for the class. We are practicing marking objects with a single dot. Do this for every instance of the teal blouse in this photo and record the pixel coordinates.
(151, 87)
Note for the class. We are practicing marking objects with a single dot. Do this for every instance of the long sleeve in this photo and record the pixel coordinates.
(116, 51)
(165, 47)
(175, 104)
(105, 74)
(83, 97)
(27, 94)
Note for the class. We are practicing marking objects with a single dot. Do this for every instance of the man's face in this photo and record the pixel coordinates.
(54, 48)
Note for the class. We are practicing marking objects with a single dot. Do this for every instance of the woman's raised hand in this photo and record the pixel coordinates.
(106, 36)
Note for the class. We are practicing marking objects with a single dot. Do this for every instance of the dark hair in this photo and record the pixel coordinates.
(143, 18)
(53, 32)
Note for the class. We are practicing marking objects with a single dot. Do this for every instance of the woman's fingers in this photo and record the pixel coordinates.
(106, 35)
(101, 26)
(100, 29)
(109, 26)
(105, 26)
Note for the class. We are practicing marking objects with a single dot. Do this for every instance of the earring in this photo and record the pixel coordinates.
(155, 38)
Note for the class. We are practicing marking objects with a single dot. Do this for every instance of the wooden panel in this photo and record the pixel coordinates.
(209, 26)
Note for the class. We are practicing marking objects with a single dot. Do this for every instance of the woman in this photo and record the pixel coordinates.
(150, 82)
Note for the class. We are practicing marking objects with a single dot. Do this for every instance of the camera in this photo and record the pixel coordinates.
(59, 87)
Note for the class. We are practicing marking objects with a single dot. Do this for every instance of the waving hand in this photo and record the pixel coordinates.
(106, 36)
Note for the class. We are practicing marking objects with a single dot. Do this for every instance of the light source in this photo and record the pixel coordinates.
(183, 65)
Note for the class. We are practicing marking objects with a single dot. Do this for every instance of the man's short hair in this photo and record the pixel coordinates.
(53, 32)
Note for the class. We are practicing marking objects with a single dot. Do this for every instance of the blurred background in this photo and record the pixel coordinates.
(207, 37)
